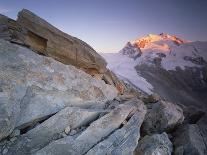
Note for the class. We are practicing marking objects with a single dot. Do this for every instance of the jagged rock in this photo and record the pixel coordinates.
(189, 141)
(42, 37)
(202, 124)
(162, 116)
(157, 144)
(192, 114)
(67, 130)
(15, 133)
(97, 130)
(153, 98)
(124, 140)
(34, 87)
(41, 135)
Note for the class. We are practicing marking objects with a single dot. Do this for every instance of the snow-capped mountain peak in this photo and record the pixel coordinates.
(166, 51)
(161, 52)
(151, 38)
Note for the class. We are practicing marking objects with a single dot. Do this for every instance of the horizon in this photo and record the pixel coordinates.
(108, 25)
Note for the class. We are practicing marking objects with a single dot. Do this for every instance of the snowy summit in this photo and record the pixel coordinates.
(164, 51)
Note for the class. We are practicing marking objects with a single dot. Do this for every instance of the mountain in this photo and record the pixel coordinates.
(164, 64)
(58, 98)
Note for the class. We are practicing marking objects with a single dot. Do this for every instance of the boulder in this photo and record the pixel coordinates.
(153, 98)
(124, 140)
(34, 32)
(33, 87)
(44, 133)
(97, 130)
(157, 144)
(162, 116)
(189, 141)
(202, 124)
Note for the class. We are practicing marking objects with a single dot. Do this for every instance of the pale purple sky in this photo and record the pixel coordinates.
(108, 24)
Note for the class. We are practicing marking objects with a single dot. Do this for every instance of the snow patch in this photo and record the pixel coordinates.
(123, 66)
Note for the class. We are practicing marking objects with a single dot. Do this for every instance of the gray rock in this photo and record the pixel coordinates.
(44, 133)
(98, 130)
(15, 133)
(202, 124)
(34, 87)
(5, 151)
(124, 140)
(162, 116)
(153, 98)
(67, 130)
(42, 37)
(189, 141)
(157, 144)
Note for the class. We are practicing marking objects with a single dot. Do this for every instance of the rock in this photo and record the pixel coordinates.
(34, 32)
(153, 98)
(13, 139)
(179, 151)
(192, 114)
(97, 130)
(34, 87)
(189, 141)
(157, 144)
(162, 116)
(73, 132)
(124, 140)
(15, 133)
(41, 135)
(67, 130)
(7, 114)
(5, 151)
(202, 124)
(126, 96)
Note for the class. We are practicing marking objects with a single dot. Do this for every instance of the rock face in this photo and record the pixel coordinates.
(34, 32)
(34, 87)
(202, 124)
(189, 141)
(97, 130)
(162, 116)
(124, 140)
(49, 107)
(41, 135)
(157, 144)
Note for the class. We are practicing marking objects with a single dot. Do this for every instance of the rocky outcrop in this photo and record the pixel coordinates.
(124, 140)
(202, 124)
(34, 87)
(34, 32)
(131, 50)
(49, 107)
(187, 87)
(162, 116)
(189, 141)
(41, 135)
(157, 144)
(97, 130)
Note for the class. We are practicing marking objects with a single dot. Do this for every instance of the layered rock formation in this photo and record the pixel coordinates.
(34, 87)
(49, 107)
(30, 30)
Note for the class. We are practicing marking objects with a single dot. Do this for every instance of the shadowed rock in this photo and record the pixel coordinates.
(162, 116)
(124, 140)
(34, 87)
(157, 144)
(98, 130)
(189, 141)
(36, 33)
(44, 133)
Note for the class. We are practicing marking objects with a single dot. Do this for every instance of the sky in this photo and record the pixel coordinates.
(107, 25)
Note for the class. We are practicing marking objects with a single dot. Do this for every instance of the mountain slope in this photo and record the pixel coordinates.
(174, 68)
